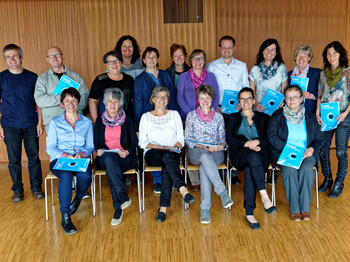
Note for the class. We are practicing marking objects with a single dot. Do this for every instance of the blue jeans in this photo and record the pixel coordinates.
(13, 141)
(65, 185)
(341, 141)
(115, 166)
(170, 172)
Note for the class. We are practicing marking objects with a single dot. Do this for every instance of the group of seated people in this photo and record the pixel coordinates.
(182, 106)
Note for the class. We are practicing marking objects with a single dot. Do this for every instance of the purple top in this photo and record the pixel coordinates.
(186, 94)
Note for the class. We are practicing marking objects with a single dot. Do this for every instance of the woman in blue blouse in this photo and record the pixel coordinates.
(294, 125)
(246, 136)
(205, 125)
(302, 57)
(70, 135)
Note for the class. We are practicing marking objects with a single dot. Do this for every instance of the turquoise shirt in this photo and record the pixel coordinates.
(246, 130)
(297, 134)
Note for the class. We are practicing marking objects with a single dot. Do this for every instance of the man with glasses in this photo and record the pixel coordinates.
(47, 82)
(20, 121)
(230, 74)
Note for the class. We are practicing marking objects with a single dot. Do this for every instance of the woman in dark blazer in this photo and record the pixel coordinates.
(114, 130)
(302, 57)
(246, 136)
(294, 125)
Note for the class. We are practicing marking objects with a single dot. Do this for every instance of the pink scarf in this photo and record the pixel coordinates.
(202, 116)
(197, 81)
(118, 120)
(301, 74)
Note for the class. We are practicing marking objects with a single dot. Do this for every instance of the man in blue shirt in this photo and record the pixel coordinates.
(20, 121)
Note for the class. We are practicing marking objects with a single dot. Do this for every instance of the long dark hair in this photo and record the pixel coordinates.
(135, 54)
(343, 55)
(266, 43)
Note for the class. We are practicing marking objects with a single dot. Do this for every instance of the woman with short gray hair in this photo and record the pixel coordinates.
(114, 130)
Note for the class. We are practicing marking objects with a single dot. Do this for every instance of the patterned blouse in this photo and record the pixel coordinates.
(209, 132)
(340, 92)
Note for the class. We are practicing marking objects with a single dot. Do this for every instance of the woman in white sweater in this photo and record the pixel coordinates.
(161, 136)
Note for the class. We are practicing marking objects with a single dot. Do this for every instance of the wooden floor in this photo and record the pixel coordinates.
(25, 235)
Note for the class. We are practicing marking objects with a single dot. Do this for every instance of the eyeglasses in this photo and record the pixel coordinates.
(248, 99)
(117, 62)
(162, 97)
(54, 55)
(201, 59)
(292, 97)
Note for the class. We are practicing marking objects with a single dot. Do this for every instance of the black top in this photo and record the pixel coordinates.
(172, 72)
(236, 141)
(102, 82)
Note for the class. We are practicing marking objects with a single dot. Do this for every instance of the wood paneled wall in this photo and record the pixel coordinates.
(85, 30)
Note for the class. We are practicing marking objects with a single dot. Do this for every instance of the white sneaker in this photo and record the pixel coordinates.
(126, 204)
(115, 220)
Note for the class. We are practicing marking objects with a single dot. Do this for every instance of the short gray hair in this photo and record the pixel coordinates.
(158, 89)
(116, 94)
(304, 48)
(12, 47)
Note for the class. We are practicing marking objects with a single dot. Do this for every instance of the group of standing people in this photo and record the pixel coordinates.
(134, 95)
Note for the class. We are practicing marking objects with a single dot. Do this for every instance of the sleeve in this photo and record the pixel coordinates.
(179, 128)
(132, 135)
(181, 94)
(221, 130)
(284, 73)
(272, 132)
(138, 99)
(317, 142)
(263, 140)
(97, 132)
(171, 86)
(231, 138)
(143, 137)
(215, 87)
(252, 74)
(51, 145)
(84, 94)
(94, 94)
(89, 140)
(42, 98)
(321, 85)
(189, 130)
(245, 80)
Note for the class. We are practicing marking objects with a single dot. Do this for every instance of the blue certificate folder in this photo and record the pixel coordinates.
(291, 156)
(69, 164)
(229, 102)
(302, 82)
(271, 101)
(64, 83)
(329, 113)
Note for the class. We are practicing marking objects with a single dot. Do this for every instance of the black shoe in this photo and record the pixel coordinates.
(270, 210)
(188, 198)
(337, 190)
(17, 197)
(235, 181)
(253, 225)
(161, 216)
(269, 181)
(327, 183)
(128, 180)
(157, 188)
(38, 194)
(74, 205)
(67, 225)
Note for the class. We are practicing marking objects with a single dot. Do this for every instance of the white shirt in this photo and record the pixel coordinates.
(165, 130)
(233, 76)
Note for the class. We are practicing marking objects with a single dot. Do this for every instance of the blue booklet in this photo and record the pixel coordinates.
(202, 143)
(271, 101)
(64, 83)
(291, 156)
(302, 82)
(166, 147)
(329, 113)
(229, 102)
(69, 164)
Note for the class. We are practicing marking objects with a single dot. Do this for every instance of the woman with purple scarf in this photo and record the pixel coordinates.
(115, 130)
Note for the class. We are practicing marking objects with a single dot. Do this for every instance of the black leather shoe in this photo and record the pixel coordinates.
(188, 198)
(270, 210)
(337, 190)
(327, 183)
(253, 225)
(67, 225)
(235, 181)
(161, 216)
(74, 205)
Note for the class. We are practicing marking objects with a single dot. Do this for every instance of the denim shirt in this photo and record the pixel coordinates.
(63, 138)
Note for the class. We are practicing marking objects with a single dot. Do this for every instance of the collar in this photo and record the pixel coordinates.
(53, 73)
(221, 61)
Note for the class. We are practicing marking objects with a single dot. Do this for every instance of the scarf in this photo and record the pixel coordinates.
(294, 118)
(114, 121)
(301, 74)
(205, 118)
(268, 72)
(333, 77)
(197, 81)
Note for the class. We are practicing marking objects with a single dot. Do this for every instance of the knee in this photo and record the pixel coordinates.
(254, 159)
(205, 157)
(341, 152)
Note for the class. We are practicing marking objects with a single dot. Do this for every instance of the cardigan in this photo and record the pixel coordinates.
(186, 93)
(171, 70)
(312, 87)
(143, 88)
(236, 142)
(277, 134)
(128, 138)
